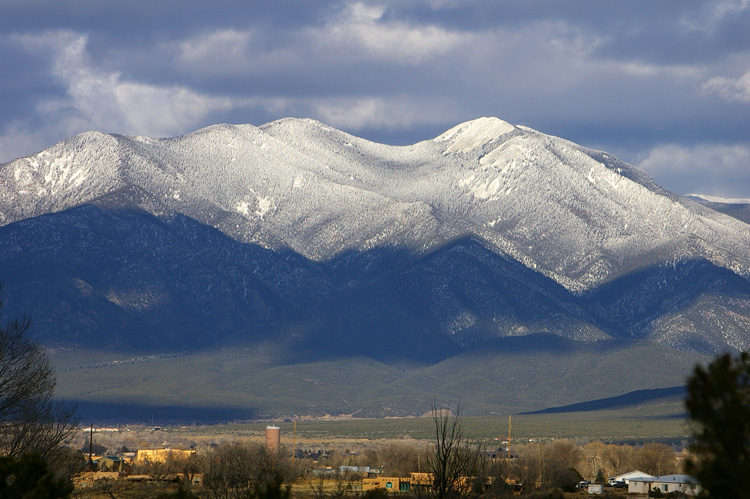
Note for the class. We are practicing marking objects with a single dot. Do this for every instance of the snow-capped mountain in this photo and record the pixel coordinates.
(578, 216)
(266, 248)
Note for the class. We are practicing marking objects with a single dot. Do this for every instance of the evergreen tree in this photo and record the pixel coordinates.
(719, 406)
(599, 477)
(30, 477)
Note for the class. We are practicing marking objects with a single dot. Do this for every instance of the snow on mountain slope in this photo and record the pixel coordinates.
(67, 174)
(579, 216)
(474, 134)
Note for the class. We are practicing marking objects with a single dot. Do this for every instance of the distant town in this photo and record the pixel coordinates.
(204, 466)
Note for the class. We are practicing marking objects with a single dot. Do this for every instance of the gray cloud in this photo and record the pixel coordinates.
(639, 79)
(690, 169)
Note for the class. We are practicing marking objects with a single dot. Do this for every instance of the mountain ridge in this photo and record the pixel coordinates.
(465, 292)
(327, 246)
(283, 185)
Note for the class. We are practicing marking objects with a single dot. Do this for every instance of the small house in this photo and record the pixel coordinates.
(391, 484)
(665, 484)
(626, 477)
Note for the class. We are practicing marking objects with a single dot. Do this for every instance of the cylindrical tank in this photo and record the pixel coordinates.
(273, 438)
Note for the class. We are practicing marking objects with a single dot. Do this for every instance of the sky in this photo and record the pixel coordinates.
(665, 85)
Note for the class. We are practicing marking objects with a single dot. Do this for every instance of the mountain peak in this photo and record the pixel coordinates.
(475, 133)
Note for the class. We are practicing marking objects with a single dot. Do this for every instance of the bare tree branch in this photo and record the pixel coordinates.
(30, 421)
(452, 461)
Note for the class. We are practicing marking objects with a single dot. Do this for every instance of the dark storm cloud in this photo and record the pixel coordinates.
(641, 79)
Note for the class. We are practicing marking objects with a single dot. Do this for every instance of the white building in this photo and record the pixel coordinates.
(667, 483)
(626, 477)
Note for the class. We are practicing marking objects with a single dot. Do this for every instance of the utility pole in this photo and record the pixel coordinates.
(91, 448)
(509, 437)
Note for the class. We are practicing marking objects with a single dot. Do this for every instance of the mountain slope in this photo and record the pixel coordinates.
(429, 267)
(127, 280)
(248, 380)
(580, 217)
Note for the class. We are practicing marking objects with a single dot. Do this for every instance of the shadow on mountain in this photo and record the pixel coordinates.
(629, 305)
(428, 308)
(535, 342)
(637, 397)
(106, 413)
(126, 281)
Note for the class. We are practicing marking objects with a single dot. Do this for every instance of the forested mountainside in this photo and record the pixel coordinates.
(330, 246)
(581, 217)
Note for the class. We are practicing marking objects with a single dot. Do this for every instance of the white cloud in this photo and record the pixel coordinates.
(357, 34)
(733, 90)
(381, 112)
(714, 169)
(226, 43)
(360, 113)
(231, 52)
(361, 29)
(708, 18)
(105, 101)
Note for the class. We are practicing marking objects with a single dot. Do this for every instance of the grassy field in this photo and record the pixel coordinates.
(255, 382)
(607, 427)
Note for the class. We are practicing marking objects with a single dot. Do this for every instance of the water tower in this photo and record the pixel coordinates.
(273, 439)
